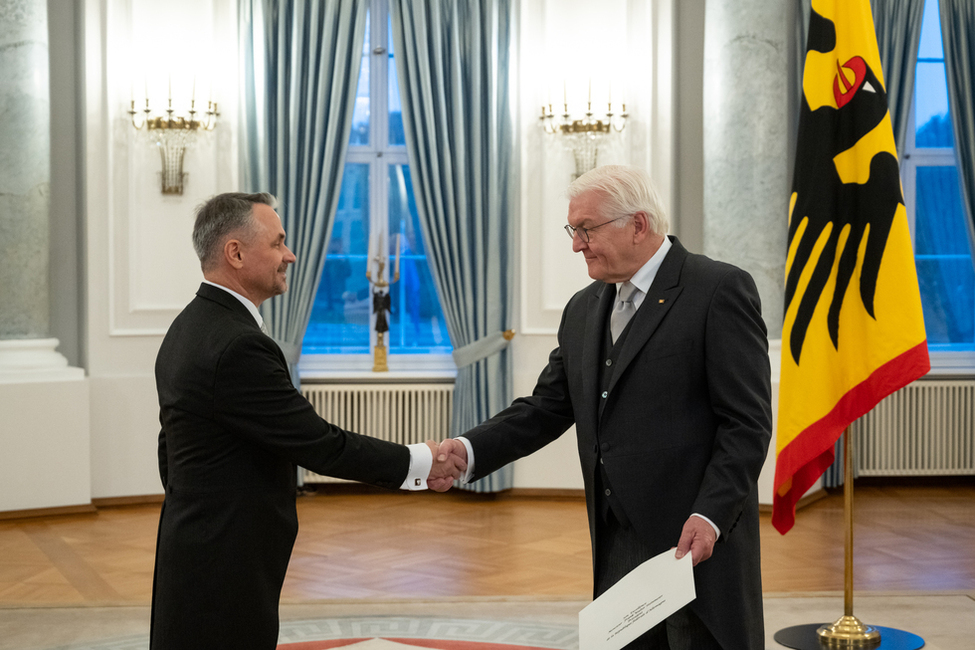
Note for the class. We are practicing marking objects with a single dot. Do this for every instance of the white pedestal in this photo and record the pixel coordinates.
(46, 441)
(29, 360)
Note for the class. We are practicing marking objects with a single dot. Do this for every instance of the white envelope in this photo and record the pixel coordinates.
(643, 598)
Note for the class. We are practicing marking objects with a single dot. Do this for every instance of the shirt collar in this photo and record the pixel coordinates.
(643, 278)
(251, 307)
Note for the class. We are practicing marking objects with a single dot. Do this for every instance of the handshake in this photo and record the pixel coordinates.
(449, 463)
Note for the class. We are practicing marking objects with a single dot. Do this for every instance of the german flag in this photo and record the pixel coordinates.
(853, 330)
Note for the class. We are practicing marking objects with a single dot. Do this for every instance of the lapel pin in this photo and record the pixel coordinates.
(661, 301)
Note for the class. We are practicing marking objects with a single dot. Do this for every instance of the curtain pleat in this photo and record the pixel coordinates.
(958, 36)
(898, 27)
(300, 67)
(453, 63)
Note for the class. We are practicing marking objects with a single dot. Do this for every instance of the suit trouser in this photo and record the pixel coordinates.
(620, 551)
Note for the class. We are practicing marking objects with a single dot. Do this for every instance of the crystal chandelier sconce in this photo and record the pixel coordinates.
(172, 134)
(583, 136)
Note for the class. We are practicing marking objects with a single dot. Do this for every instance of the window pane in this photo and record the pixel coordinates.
(396, 135)
(340, 316)
(930, 45)
(360, 114)
(931, 117)
(416, 323)
(944, 259)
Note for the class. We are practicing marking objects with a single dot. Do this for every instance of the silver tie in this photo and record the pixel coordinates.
(623, 310)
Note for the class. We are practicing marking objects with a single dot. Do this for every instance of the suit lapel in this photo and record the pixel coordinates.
(663, 294)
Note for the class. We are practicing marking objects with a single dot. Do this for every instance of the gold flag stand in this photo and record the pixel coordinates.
(847, 632)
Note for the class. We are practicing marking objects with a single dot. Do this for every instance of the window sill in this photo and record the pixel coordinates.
(369, 377)
(357, 368)
(951, 365)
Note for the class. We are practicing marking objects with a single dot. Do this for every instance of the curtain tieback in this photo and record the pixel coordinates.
(482, 348)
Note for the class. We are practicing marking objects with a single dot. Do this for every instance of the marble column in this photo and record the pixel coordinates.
(24, 190)
(746, 130)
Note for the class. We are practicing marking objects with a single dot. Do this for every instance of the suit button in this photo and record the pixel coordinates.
(605, 393)
(608, 492)
(604, 446)
(609, 362)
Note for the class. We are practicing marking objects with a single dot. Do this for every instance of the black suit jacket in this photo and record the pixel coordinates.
(683, 428)
(233, 430)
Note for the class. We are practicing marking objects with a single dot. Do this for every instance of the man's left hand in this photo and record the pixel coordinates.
(697, 537)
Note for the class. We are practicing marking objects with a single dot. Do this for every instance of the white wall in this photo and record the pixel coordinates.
(629, 43)
(45, 458)
(141, 270)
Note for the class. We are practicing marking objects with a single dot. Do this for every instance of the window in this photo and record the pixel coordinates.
(942, 250)
(376, 211)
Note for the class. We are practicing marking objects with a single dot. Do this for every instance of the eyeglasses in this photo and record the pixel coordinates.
(584, 232)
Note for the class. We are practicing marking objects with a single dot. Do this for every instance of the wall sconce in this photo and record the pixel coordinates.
(583, 136)
(172, 134)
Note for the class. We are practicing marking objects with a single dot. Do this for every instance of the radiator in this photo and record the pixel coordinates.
(925, 429)
(403, 413)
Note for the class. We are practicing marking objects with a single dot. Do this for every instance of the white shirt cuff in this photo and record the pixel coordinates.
(717, 532)
(466, 476)
(421, 461)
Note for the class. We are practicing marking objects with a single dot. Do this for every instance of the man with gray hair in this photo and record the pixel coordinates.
(233, 430)
(662, 365)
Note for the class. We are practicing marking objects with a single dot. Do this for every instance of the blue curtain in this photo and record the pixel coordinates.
(453, 61)
(300, 66)
(898, 27)
(958, 36)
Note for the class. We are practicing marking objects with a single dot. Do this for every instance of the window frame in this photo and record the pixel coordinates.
(944, 363)
(378, 154)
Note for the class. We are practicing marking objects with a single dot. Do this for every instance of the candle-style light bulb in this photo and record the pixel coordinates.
(397, 253)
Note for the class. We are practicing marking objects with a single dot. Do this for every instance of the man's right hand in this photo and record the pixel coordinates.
(448, 465)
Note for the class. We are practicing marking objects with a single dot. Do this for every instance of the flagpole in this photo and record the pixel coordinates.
(848, 631)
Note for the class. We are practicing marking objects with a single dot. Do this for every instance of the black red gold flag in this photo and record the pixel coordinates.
(853, 331)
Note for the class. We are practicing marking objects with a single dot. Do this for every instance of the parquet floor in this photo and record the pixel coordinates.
(397, 545)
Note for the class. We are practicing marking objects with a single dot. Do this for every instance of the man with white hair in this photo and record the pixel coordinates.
(662, 365)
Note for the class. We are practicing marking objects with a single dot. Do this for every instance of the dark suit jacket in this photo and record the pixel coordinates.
(233, 430)
(684, 427)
